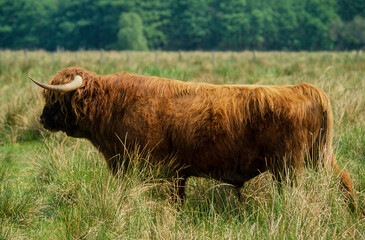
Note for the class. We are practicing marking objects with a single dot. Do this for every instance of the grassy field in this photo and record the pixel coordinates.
(56, 187)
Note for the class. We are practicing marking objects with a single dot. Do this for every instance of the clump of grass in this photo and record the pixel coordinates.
(16, 200)
(18, 121)
(86, 200)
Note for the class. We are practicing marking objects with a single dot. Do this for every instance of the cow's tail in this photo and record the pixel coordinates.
(330, 163)
(325, 148)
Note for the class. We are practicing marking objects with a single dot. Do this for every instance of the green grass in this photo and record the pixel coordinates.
(56, 187)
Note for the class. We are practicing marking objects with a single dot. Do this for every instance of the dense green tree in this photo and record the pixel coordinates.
(130, 35)
(25, 24)
(336, 33)
(348, 9)
(189, 24)
(350, 35)
(229, 24)
(284, 26)
(184, 24)
(257, 27)
(85, 24)
(355, 33)
(156, 17)
(314, 23)
(302, 24)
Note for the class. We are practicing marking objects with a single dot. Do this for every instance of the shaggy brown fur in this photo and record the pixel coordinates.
(230, 133)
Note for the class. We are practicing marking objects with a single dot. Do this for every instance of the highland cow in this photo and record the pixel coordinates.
(230, 133)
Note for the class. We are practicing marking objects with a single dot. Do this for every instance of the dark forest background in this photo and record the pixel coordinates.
(183, 24)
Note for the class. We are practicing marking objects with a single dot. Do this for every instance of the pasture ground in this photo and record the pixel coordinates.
(56, 187)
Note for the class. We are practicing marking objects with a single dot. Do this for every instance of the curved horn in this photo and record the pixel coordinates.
(68, 87)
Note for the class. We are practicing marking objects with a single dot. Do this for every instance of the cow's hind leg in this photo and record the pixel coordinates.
(178, 189)
(237, 190)
(286, 170)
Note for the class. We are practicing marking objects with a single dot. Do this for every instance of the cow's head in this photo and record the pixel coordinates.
(60, 110)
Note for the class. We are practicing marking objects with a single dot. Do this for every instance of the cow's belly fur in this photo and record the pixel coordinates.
(234, 174)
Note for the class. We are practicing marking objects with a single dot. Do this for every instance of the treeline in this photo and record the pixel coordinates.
(183, 24)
